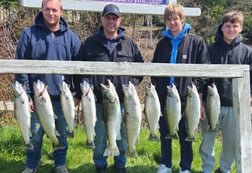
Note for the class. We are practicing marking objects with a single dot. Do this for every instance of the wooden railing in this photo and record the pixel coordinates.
(238, 73)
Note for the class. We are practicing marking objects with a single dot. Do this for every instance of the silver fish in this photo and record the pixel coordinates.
(173, 111)
(112, 118)
(213, 106)
(22, 113)
(192, 112)
(44, 110)
(67, 103)
(133, 117)
(152, 111)
(88, 112)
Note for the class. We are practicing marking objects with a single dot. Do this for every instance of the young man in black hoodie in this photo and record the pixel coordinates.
(228, 48)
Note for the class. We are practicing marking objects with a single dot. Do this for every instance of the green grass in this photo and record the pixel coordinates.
(79, 159)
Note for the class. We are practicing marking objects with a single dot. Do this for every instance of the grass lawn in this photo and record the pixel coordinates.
(79, 159)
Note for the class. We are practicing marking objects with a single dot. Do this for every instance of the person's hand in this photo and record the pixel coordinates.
(202, 113)
(76, 102)
(31, 105)
(202, 108)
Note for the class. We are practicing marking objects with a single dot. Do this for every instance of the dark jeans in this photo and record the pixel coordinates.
(186, 152)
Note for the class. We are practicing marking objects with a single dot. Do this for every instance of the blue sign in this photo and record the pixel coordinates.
(150, 2)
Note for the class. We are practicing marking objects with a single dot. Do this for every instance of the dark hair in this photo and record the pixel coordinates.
(233, 17)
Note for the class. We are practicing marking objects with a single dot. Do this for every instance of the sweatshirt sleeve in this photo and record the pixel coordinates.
(202, 58)
(77, 79)
(23, 52)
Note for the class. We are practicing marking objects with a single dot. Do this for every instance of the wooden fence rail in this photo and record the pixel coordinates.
(238, 73)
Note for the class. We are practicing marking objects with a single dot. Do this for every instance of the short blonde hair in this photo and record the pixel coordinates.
(174, 10)
(52, 0)
(233, 17)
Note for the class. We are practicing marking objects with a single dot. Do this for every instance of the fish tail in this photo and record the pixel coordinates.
(132, 154)
(58, 147)
(153, 137)
(172, 136)
(111, 151)
(28, 146)
(90, 145)
(70, 134)
(212, 129)
(190, 139)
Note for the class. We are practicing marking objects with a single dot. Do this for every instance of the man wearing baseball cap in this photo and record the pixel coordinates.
(111, 9)
(109, 44)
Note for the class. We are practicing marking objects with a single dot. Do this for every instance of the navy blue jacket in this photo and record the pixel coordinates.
(235, 53)
(98, 48)
(39, 43)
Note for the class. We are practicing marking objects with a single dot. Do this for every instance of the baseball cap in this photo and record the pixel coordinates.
(111, 9)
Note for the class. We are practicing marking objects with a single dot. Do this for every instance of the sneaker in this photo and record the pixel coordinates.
(217, 171)
(29, 170)
(163, 169)
(61, 169)
(185, 171)
(120, 170)
(101, 170)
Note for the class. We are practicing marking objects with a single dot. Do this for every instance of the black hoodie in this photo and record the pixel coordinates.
(222, 53)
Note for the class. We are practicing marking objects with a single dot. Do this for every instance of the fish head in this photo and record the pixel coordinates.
(39, 88)
(129, 90)
(109, 93)
(125, 88)
(212, 90)
(17, 89)
(63, 87)
(192, 91)
(85, 88)
(132, 88)
(150, 89)
(170, 90)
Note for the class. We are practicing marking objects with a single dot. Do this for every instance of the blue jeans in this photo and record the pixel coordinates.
(33, 156)
(166, 145)
(101, 142)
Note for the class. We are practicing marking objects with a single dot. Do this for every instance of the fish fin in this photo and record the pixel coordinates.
(132, 154)
(171, 136)
(58, 147)
(57, 133)
(190, 139)
(30, 133)
(28, 146)
(118, 136)
(153, 137)
(90, 145)
(111, 151)
(104, 86)
(211, 129)
(70, 134)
